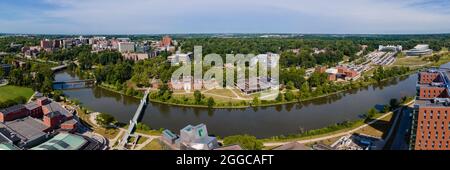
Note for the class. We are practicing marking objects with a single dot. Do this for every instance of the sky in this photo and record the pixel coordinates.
(225, 16)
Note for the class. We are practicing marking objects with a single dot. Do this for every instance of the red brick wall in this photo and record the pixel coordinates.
(14, 115)
(427, 78)
(432, 92)
(426, 121)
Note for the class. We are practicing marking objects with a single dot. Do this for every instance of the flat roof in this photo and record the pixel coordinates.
(62, 141)
(26, 128)
(8, 146)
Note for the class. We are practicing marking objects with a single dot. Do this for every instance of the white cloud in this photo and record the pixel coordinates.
(178, 16)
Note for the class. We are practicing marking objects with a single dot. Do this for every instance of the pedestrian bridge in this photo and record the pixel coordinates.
(134, 121)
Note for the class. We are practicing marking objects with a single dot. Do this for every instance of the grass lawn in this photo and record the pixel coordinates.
(10, 92)
(153, 145)
(410, 61)
(379, 128)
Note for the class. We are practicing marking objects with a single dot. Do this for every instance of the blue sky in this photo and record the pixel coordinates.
(224, 16)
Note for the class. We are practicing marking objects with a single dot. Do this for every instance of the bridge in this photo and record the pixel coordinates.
(134, 121)
(57, 68)
(75, 84)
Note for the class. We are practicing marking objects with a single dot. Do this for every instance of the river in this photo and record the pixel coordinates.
(261, 122)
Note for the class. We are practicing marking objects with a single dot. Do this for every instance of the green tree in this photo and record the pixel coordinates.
(105, 120)
(211, 102)
(197, 96)
(289, 96)
(256, 100)
(371, 113)
(245, 141)
(393, 103)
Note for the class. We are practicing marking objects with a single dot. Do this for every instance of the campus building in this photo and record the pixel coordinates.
(52, 114)
(191, 138)
(126, 47)
(393, 48)
(420, 50)
(431, 123)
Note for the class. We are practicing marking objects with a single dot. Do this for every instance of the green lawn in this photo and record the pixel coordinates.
(11, 92)
(153, 145)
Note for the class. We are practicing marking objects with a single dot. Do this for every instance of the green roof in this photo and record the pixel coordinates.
(62, 141)
(8, 146)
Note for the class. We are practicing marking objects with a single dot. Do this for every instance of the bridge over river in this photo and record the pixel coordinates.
(134, 121)
(74, 84)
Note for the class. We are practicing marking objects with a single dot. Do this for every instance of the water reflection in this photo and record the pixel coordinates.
(261, 121)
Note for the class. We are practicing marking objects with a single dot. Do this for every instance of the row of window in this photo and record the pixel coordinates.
(433, 144)
(432, 113)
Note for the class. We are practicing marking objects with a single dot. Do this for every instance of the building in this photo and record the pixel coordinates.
(196, 138)
(347, 73)
(178, 58)
(12, 113)
(166, 41)
(320, 69)
(63, 141)
(420, 50)
(191, 138)
(126, 47)
(46, 44)
(25, 132)
(431, 124)
(392, 48)
(53, 115)
(135, 56)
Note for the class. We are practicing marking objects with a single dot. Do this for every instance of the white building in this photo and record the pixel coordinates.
(419, 50)
(126, 47)
(178, 58)
(196, 137)
(390, 48)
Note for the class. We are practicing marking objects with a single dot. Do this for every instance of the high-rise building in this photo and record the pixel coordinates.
(431, 124)
(126, 47)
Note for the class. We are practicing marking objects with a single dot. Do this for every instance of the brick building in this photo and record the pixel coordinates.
(431, 123)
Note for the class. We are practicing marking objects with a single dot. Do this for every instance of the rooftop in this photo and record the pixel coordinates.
(62, 141)
(8, 146)
(26, 128)
(14, 108)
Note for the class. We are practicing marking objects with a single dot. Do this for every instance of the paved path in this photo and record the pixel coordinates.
(334, 135)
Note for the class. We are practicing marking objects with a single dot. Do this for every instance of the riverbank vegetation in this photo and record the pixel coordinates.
(372, 114)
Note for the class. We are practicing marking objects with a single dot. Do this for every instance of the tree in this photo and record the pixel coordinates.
(289, 96)
(393, 103)
(280, 97)
(105, 120)
(245, 141)
(211, 102)
(371, 113)
(256, 100)
(197, 96)
(57, 95)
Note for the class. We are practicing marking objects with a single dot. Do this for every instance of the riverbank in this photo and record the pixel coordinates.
(339, 130)
(360, 84)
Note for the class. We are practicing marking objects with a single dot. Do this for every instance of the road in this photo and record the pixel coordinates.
(400, 142)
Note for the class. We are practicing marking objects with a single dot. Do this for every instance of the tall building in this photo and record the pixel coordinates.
(431, 124)
(166, 41)
(126, 47)
(46, 44)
